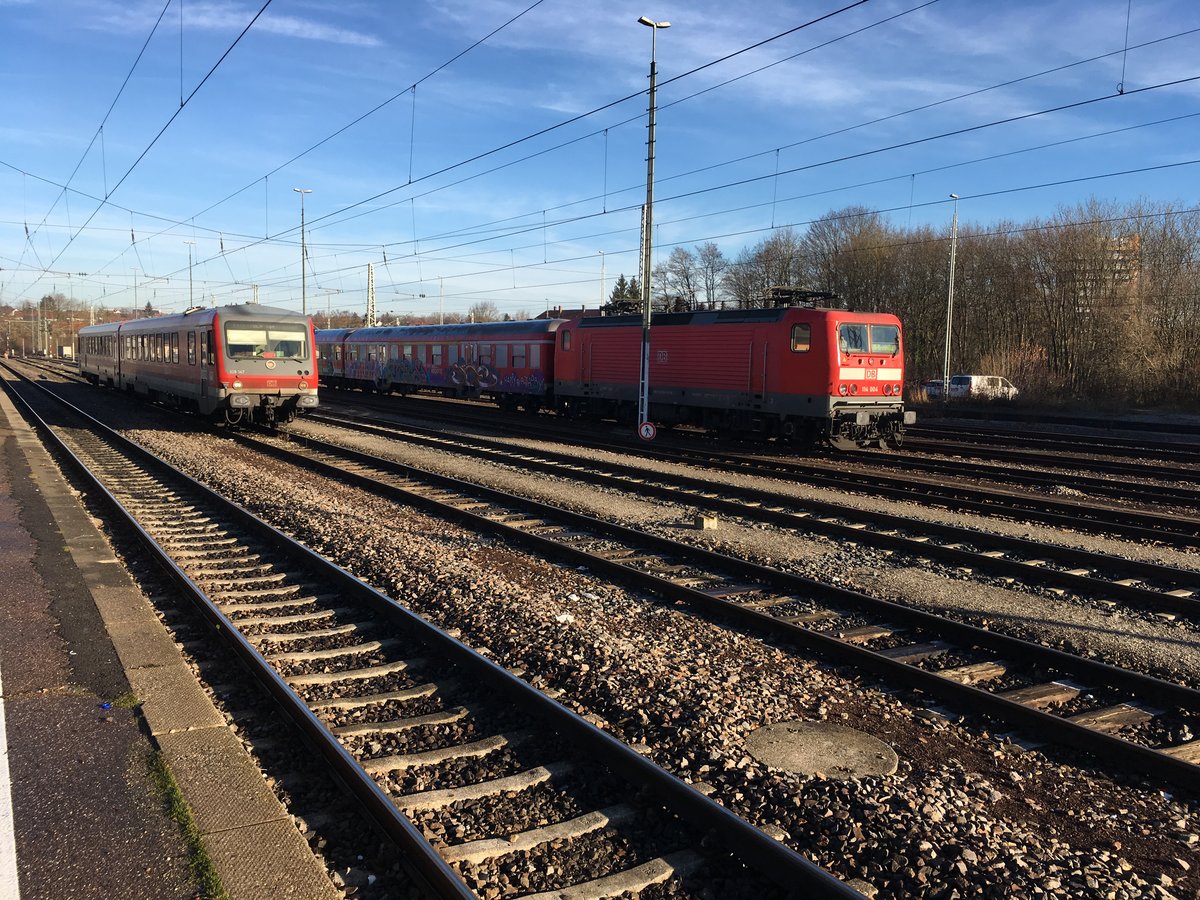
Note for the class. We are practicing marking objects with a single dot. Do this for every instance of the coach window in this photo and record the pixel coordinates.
(191, 347)
(801, 337)
(518, 356)
(175, 349)
(485, 354)
(566, 340)
(535, 356)
(435, 354)
(501, 356)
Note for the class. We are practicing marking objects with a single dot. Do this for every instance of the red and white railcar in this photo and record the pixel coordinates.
(245, 363)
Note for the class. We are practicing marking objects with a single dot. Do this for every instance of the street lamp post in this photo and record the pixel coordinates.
(601, 278)
(190, 244)
(645, 428)
(303, 254)
(950, 304)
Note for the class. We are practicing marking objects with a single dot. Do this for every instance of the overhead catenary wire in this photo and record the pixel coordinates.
(283, 234)
(182, 105)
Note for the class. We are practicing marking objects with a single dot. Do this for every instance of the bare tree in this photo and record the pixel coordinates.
(677, 280)
(711, 266)
(483, 311)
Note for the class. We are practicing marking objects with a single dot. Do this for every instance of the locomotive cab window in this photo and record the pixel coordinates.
(885, 339)
(566, 340)
(852, 337)
(801, 337)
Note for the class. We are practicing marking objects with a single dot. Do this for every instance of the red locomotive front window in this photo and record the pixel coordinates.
(885, 339)
(852, 337)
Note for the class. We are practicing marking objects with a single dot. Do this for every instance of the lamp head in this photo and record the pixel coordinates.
(646, 20)
(954, 196)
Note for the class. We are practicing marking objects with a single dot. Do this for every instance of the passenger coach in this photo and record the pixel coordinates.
(243, 364)
(508, 362)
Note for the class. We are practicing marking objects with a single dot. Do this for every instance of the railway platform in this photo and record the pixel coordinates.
(95, 698)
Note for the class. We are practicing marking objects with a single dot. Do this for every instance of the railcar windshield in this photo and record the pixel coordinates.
(276, 341)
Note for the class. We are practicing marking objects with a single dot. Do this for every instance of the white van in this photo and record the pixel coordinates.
(981, 387)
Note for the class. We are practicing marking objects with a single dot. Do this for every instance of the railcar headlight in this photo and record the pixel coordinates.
(887, 390)
(897, 389)
(854, 388)
(843, 390)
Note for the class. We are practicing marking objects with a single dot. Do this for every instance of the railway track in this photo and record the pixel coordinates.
(1041, 447)
(952, 480)
(1107, 711)
(1139, 585)
(417, 725)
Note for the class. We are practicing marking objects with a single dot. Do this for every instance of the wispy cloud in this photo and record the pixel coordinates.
(229, 17)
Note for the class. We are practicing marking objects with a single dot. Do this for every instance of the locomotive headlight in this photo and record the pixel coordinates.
(887, 390)
(237, 385)
(854, 388)
(843, 390)
(896, 390)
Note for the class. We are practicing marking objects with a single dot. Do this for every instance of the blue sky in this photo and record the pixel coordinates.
(514, 170)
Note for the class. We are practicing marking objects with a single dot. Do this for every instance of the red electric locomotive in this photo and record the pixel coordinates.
(245, 363)
(802, 374)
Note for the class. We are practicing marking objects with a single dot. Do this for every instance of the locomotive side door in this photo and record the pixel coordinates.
(756, 354)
